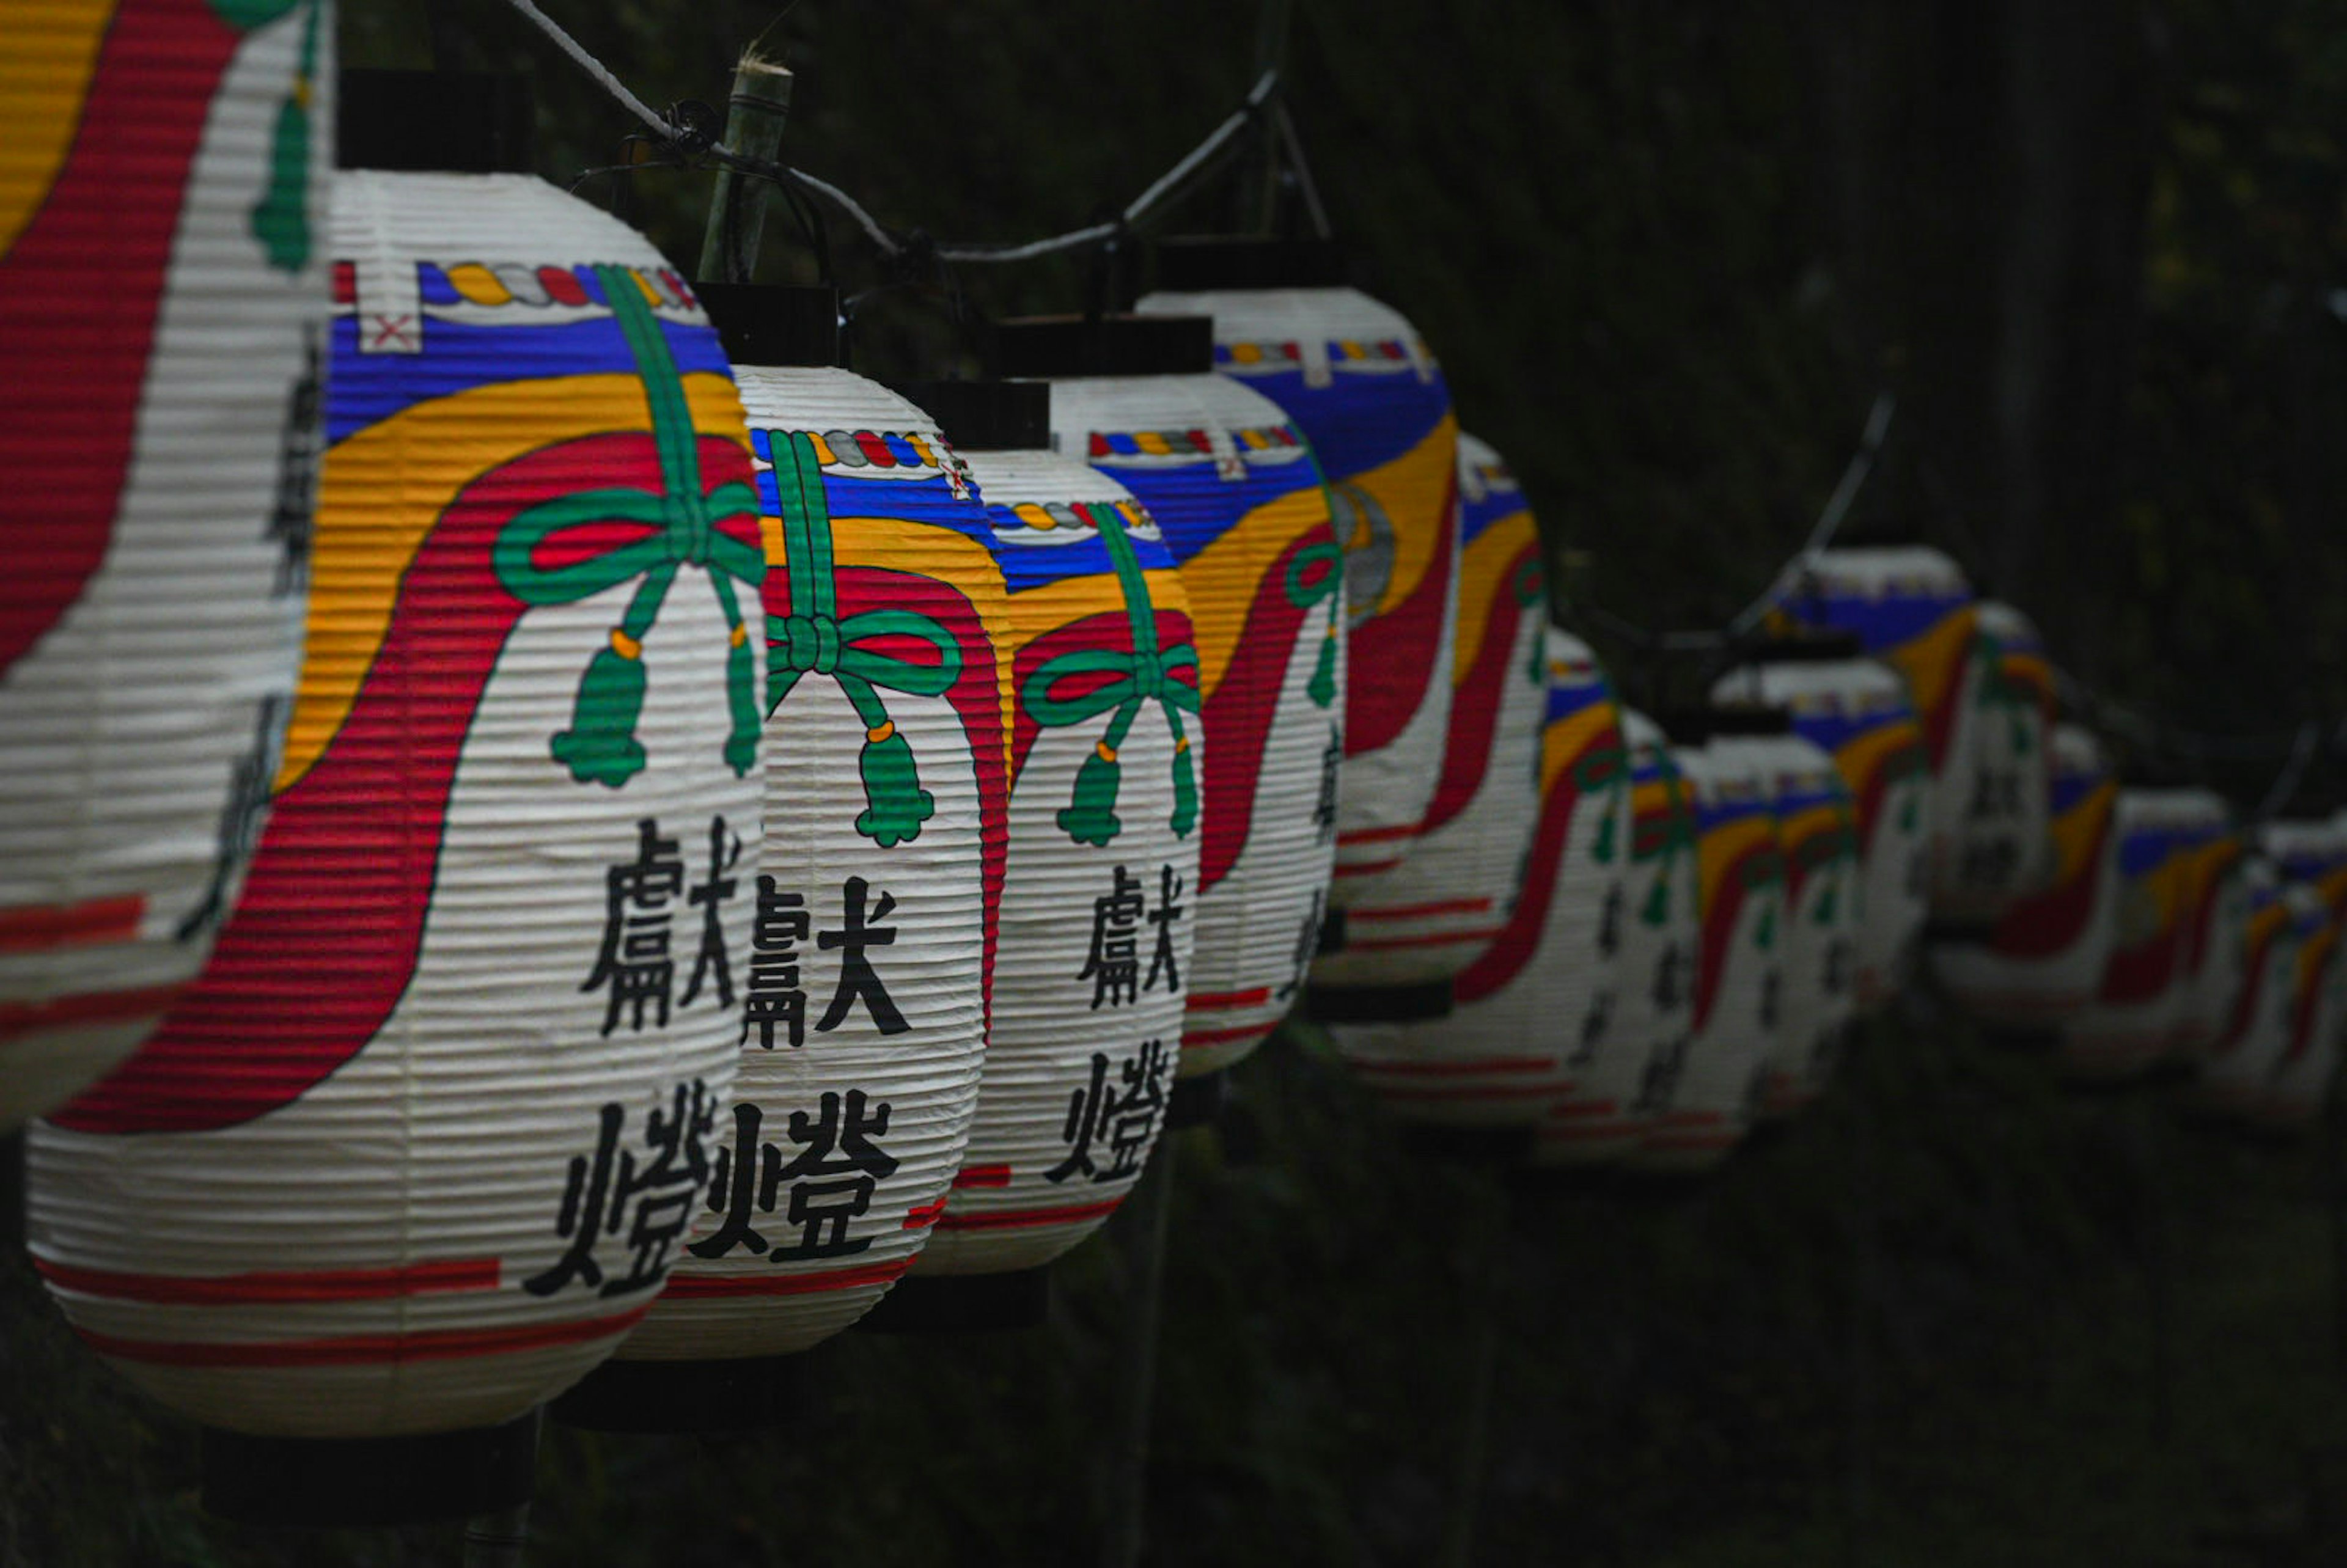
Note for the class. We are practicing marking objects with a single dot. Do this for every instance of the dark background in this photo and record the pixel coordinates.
(1669, 253)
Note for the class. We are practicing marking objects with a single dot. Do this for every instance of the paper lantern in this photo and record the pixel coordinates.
(2140, 1003)
(1355, 379)
(1817, 834)
(2005, 847)
(1705, 1101)
(863, 1026)
(1234, 489)
(2212, 950)
(2282, 918)
(1434, 914)
(1533, 1011)
(2298, 1091)
(2312, 850)
(161, 303)
(1607, 1105)
(1911, 607)
(424, 1142)
(1860, 713)
(1101, 867)
(2044, 959)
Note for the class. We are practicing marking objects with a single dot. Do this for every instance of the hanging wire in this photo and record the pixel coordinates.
(2294, 772)
(1301, 167)
(1854, 476)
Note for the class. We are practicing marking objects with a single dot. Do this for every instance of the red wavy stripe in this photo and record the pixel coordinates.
(1475, 701)
(364, 1349)
(1392, 657)
(1015, 1219)
(81, 287)
(1109, 630)
(1202, 1002)
(19, 1019)
(983, 1177)
(1239, 714)
(2052, 922)
(291, 1285)
(1498, 965)
(72, 924)
(1719, 917)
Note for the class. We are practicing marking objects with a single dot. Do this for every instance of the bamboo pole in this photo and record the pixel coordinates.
(754, 117)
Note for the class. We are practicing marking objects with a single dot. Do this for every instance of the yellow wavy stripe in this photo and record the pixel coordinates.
(956, 559)
(1041, 611)
(2313, 955)
(1564, 743)
(382, 488)
(1812, 822)
(2074, 831)
(1724, 846)
(1651, 800)
(1861, 759)
(49, 57)
(1235, 563)
(1411, 489)
(1934, 661)
(1486, 567)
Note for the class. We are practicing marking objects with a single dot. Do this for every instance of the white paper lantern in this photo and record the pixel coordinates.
(2042, 961)
(885, 818)
(1236, 494)
(1094, 954)
(1817, 836)
(2140, 1003)
(2312, 851)
(1859, 714)
(1431, 916)
(2299, 1090)
(162, 304)
(1357, 380)
(1533, 1011)
(421, 1144)
(2282, 918)
(1710, 1096)
(2212, 940)
(2004, 846)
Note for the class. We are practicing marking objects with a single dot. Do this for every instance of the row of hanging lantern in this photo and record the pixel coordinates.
(747, 845)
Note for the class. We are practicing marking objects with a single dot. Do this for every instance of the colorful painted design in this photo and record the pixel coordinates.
(1429, 916)
(1533, 1008)
(1099, 900)
(1382, 427)
(1242, 511)
(2299, 1090)
(2138, 1003)
(2257, 1034)
(496, 921)
(153, 236)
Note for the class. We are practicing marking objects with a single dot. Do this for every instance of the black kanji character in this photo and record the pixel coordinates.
(1112, 962)
(1168, 911)
(1307, 944)
(1132, 1122)
(776, 998)
(834, 1177)
(1324, 814)
(711, 896)
(240, 817)
(297, 475)
(634, 960)
(857, 977)
(609, 1191)
(741, 1179)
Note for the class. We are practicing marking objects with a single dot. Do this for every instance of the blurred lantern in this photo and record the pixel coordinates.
(1534, 1010)
(1102, 864)
(2213, 951)
(2312, 850)
(162, 303)
(1236, 492)
(1818, 836)
(2005, 848)
(2299, 1090)
(2042, 961)
(2282, 918)
(1603, 1113)
(1429, 917)
(1357, 380)
(1912, 607)
(1706, 1100)
(2140, 1003)
(862, 1024)
(1858, 714)
(421, 1144)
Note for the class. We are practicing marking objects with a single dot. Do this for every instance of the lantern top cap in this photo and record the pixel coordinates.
(773, 325)
(1823, 645)
(1198, 263)
(984, 415)
(1103, 345)
(433, 122)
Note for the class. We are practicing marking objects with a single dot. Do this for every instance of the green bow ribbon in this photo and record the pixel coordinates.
(1531, 579)
(1678, 838)
(1144, 676)
(1303, 595)
(816, 640)
(281, 218)
(600, 745)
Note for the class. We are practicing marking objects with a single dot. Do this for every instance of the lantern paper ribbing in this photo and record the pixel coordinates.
(1102, 863)
(1358, 382)
(1715, 1087)
(2005, 848)
(1911, 607)
(1532, 1011)
(1818, 838)
(2299, 1088)
(1859, 714)
(2282, 919)
(1604, 1111)
(1239, 501)
(2212, 938)
(863, 1028)
(162, 298)
(1429, 917)
(2044, 959)
(418, 1148)
(2139, 1005)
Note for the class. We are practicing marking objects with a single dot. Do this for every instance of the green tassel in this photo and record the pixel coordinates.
(1186, 790)
(280, 219)
(1828, 904)
(1603, 851)
(742, 698)
(1090, 814)
(1765, 936)
(601, 746)
(1908, 814)
(897, 804)
(1656, 911)
(1323, 688)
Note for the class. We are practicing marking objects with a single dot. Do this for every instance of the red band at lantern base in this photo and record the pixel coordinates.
(748, 1394)
(369, 1483)
(963, 1304)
